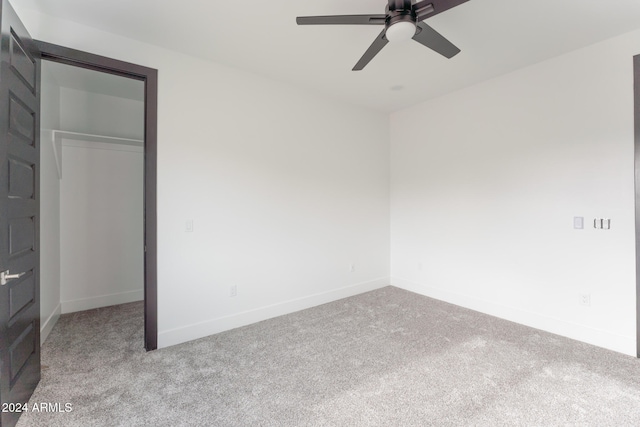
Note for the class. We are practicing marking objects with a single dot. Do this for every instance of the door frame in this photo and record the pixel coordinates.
(149, 76)
(636, 168)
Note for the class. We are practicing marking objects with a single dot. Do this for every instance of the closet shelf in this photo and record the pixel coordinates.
(58, 135)
(55, 134)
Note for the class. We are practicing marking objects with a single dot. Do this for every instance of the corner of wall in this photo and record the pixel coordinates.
(47, 326)
(221, 324)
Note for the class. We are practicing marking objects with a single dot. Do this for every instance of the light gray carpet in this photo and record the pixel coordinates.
(384, 358)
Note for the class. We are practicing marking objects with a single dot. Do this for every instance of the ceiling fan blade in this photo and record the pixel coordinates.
(427, 8)
(435, 41)
(342, 20)
(423, 9)
(377, 45)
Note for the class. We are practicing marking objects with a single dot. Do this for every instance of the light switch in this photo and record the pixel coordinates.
(188, 226)
(578, 222)
(602, 223)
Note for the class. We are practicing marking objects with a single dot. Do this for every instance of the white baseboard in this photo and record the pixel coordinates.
(101, 301)
(221, 324)
(597, 337)
(47, 325)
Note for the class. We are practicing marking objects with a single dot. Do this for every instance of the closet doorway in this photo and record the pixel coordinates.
(97, 186)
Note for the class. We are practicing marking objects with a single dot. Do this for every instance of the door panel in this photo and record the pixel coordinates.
(24, 64)
(21, 236)
(22, 294)
(19, 213)
(21, 120)
(21, 179)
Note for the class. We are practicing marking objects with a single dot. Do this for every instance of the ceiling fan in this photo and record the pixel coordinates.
(402, 21)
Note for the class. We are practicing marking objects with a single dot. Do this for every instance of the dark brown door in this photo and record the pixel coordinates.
(19, 215)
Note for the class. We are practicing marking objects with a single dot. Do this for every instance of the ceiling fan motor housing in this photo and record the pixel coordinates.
(399, 11)
(398, 5)
(400, 22)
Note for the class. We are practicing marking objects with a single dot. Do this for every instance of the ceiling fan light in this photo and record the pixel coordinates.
(400, 31)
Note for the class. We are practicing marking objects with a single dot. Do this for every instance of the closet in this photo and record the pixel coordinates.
(91, 228)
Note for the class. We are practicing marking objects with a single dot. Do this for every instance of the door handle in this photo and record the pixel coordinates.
(5, 276)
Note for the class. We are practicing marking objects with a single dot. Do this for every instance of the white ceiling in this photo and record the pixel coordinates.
(496, 37)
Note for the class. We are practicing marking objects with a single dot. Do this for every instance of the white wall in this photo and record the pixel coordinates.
(101, 224)
(486, 182)
(285, 189)
(49, 207)
(98, 114)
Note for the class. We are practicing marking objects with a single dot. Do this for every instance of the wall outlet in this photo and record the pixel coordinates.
(352, 267)
(233, 291)
(585, 300)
